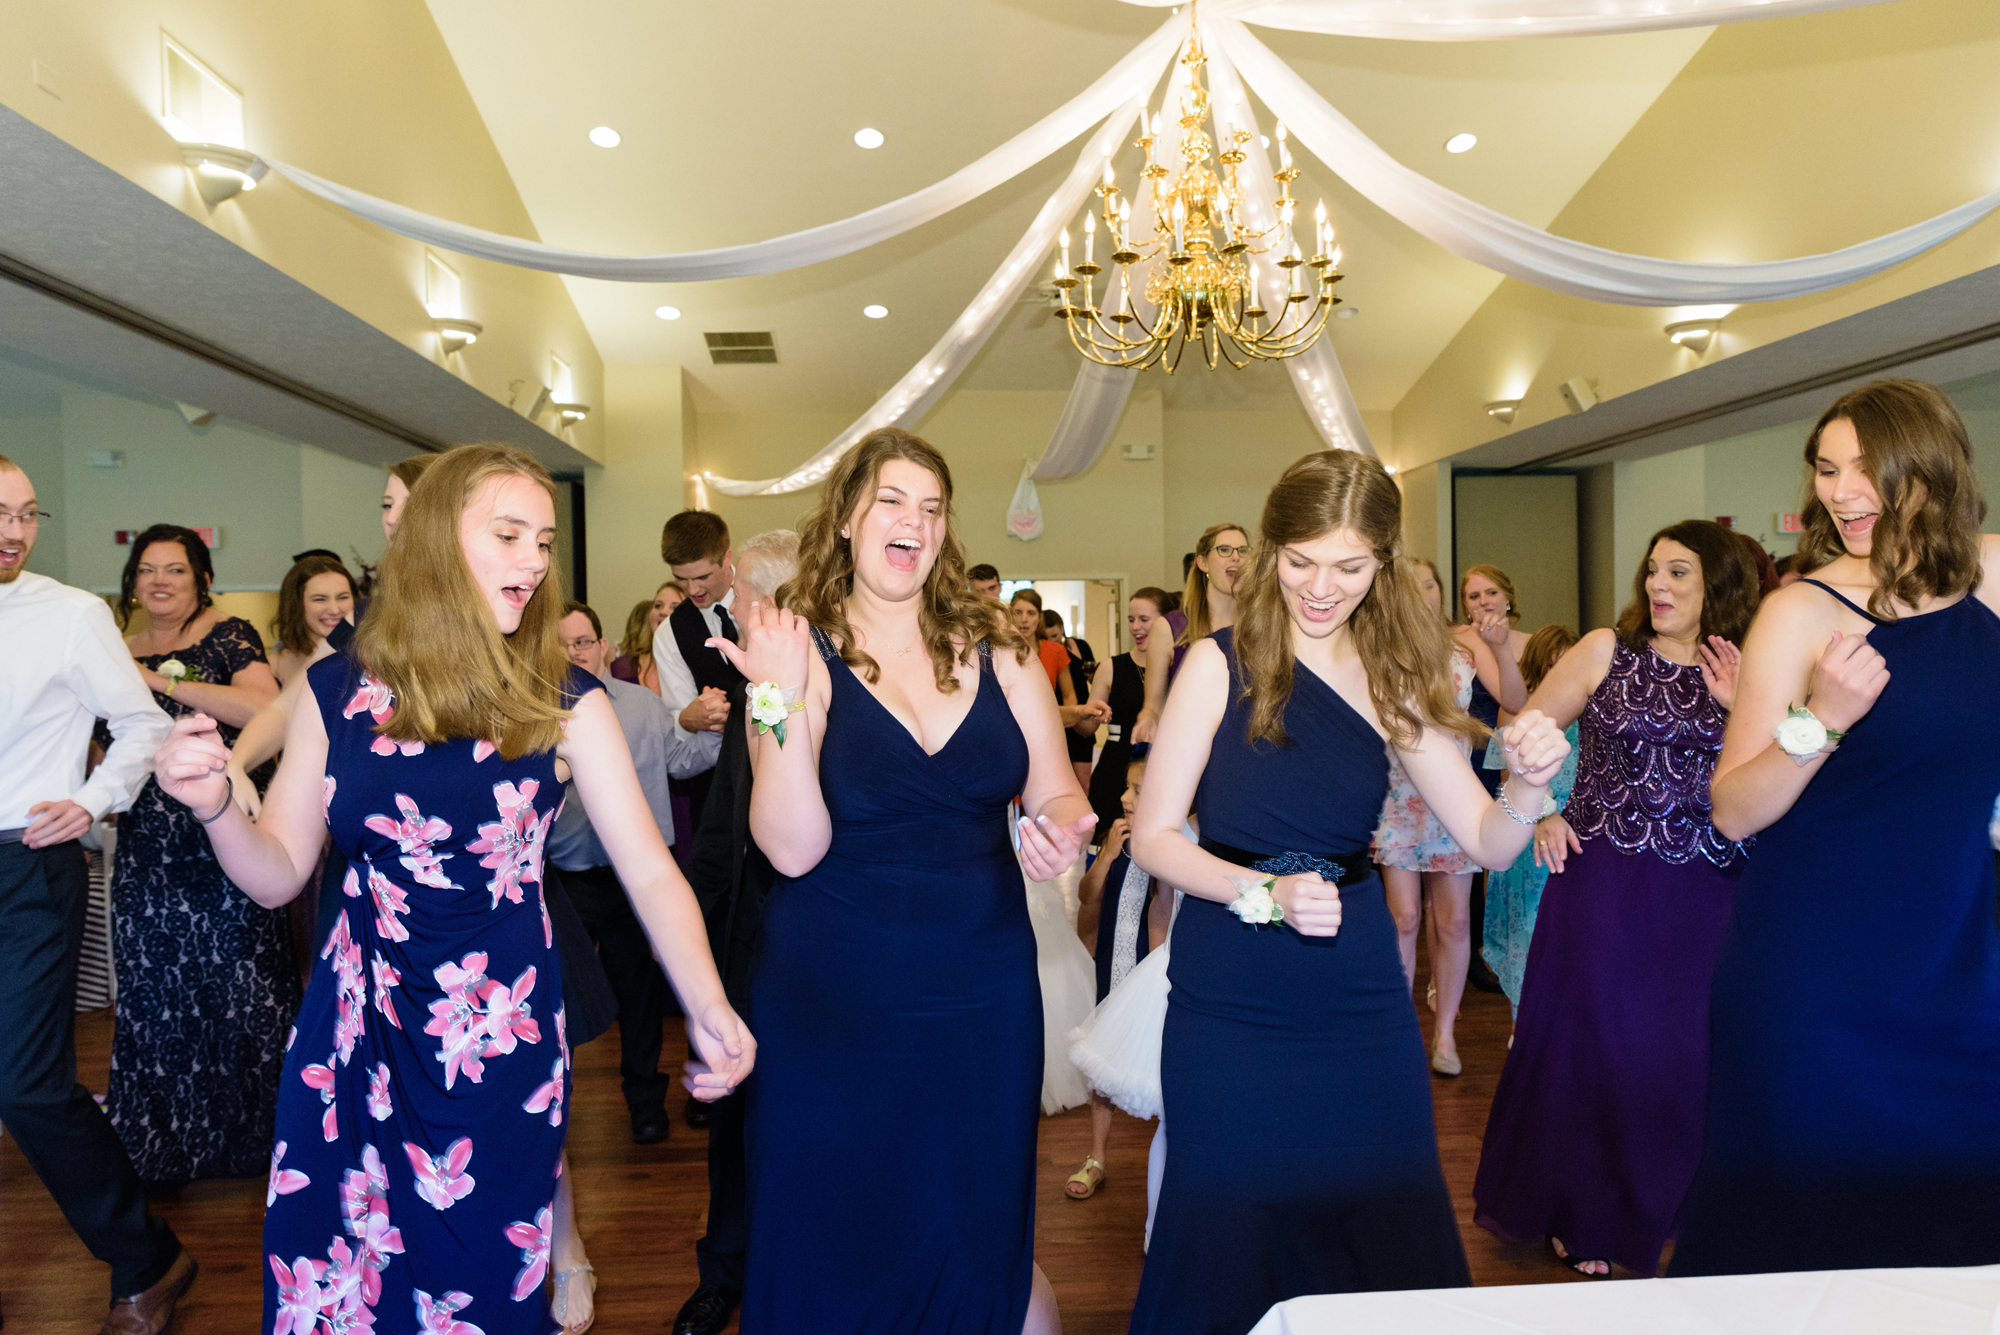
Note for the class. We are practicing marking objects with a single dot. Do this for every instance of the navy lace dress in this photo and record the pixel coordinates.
(898, 1016)
(1595, 1129)
(1304, 1154)
(1854, 1098)
(421, 1120)
(207, 986)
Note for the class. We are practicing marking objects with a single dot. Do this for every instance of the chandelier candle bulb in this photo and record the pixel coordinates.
(1284, 149)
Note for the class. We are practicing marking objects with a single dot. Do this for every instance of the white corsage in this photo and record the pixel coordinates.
(769, 708)
(174, 669)
(1802, 736)
(1254, 903)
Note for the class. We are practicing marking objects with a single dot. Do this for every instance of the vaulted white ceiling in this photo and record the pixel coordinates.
(738, 120)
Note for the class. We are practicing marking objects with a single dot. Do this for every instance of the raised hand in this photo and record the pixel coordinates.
(1555, 840)
(1535, 747)
(1048, 849)
(721, 1053)
(1114, 838)
(192, 763)
(1494, 628)
(1846, 682)
(1311, 903)
(1720, 663)
(773, 645)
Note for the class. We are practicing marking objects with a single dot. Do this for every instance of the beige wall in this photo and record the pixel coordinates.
(1527, 526)
(365, 94)
(1786, 138)
(639, 485)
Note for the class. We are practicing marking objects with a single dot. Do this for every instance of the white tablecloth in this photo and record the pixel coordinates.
(1828, 1302)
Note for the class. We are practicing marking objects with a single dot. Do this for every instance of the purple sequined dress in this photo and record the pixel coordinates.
(1596, 1126)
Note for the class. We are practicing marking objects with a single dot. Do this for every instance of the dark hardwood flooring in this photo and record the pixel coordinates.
(641, 1209)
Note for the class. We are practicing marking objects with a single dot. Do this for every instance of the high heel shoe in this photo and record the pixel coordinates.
(559, 1307)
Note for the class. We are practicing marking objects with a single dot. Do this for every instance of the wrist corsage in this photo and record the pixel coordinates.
(177, 672)
(1254, 903)
(769, 705)
(1803, 737)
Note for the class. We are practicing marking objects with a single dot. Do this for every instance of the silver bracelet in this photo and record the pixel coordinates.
(228, 798)
(1508, 807)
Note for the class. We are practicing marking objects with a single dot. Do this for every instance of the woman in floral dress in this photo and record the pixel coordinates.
(421, 1118)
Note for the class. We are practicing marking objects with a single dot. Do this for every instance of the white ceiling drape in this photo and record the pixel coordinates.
(1124, 83)
(1497, 20)
(1486, 236)
(913, 395)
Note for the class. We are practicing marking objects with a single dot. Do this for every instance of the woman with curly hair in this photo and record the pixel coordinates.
(1596, 1125)
(896, 969)
(1854, 1098)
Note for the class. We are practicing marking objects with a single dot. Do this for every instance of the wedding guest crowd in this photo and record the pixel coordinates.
(1737, 848)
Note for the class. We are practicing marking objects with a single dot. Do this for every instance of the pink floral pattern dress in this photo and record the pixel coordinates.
(420, 1118)
(1409, 835)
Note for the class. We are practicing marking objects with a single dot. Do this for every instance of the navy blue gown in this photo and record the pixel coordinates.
(1303, 1156)
(1854, 1092)
(892, 1116)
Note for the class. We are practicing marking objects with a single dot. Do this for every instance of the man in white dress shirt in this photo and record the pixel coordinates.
(695, 680)
(659, 751)
(62, 668)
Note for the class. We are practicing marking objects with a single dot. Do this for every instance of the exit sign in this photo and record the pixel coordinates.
(1790, 523)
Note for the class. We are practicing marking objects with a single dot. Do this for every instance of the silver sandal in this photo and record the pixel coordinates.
(559, 1308)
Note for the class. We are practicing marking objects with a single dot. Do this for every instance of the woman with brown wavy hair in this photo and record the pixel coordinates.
(1854, 1092)
(420, 1117)
(896, 969)
(1292, 1067)
(1596, 1125)
(1207, 605)
(316, 597)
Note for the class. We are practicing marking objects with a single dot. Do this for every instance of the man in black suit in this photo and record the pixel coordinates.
(731, 878)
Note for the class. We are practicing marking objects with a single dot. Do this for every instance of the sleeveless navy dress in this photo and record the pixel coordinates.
(898, 1014)
(421, 1114)
(1303, 1157)
(1854, 1092)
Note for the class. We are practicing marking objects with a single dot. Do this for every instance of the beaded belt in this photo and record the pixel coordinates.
(1348, 870)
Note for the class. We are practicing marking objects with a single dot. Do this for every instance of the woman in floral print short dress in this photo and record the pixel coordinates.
(421, 1118)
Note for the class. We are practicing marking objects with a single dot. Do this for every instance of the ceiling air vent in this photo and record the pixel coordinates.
(741, 349)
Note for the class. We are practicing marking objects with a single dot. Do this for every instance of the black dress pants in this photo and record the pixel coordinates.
(719, 1252)
(62, 1133)
(636, 980)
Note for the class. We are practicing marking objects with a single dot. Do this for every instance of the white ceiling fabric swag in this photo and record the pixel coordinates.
(1497, 20)
(926, 382)
(1491, 238)
(1123, 84)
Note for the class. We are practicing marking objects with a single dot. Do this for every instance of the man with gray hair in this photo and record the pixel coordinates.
(731, 878)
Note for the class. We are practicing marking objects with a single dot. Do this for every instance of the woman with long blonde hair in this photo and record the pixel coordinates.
(896, 968)
(1854, 1087)
(1208, 604)
(1292, 1069)
(421, 1114)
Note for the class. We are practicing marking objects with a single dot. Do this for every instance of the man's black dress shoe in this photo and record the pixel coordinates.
(650, 1125)
(698, 1114)
(707, 1312)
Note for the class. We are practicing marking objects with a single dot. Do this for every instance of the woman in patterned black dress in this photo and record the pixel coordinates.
(207, 987)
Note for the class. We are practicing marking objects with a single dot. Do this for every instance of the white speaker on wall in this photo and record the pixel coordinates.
(1579, 395)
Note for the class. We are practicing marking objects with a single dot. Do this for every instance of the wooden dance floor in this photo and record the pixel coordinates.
(641, 1209)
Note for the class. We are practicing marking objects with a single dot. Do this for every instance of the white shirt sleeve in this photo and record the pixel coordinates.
(698, 751)
(106, 680)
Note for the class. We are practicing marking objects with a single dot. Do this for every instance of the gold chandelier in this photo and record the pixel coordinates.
(1198, 271)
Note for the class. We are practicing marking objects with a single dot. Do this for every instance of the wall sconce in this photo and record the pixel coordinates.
(455, 334)
(1694, 335)
(569, 414)
(1503, 410)
(222, 172)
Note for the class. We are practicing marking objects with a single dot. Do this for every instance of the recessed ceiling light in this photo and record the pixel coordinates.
(870, 138)
(668, 312)
(875, 312)
(1460, 143)
(605, 137)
